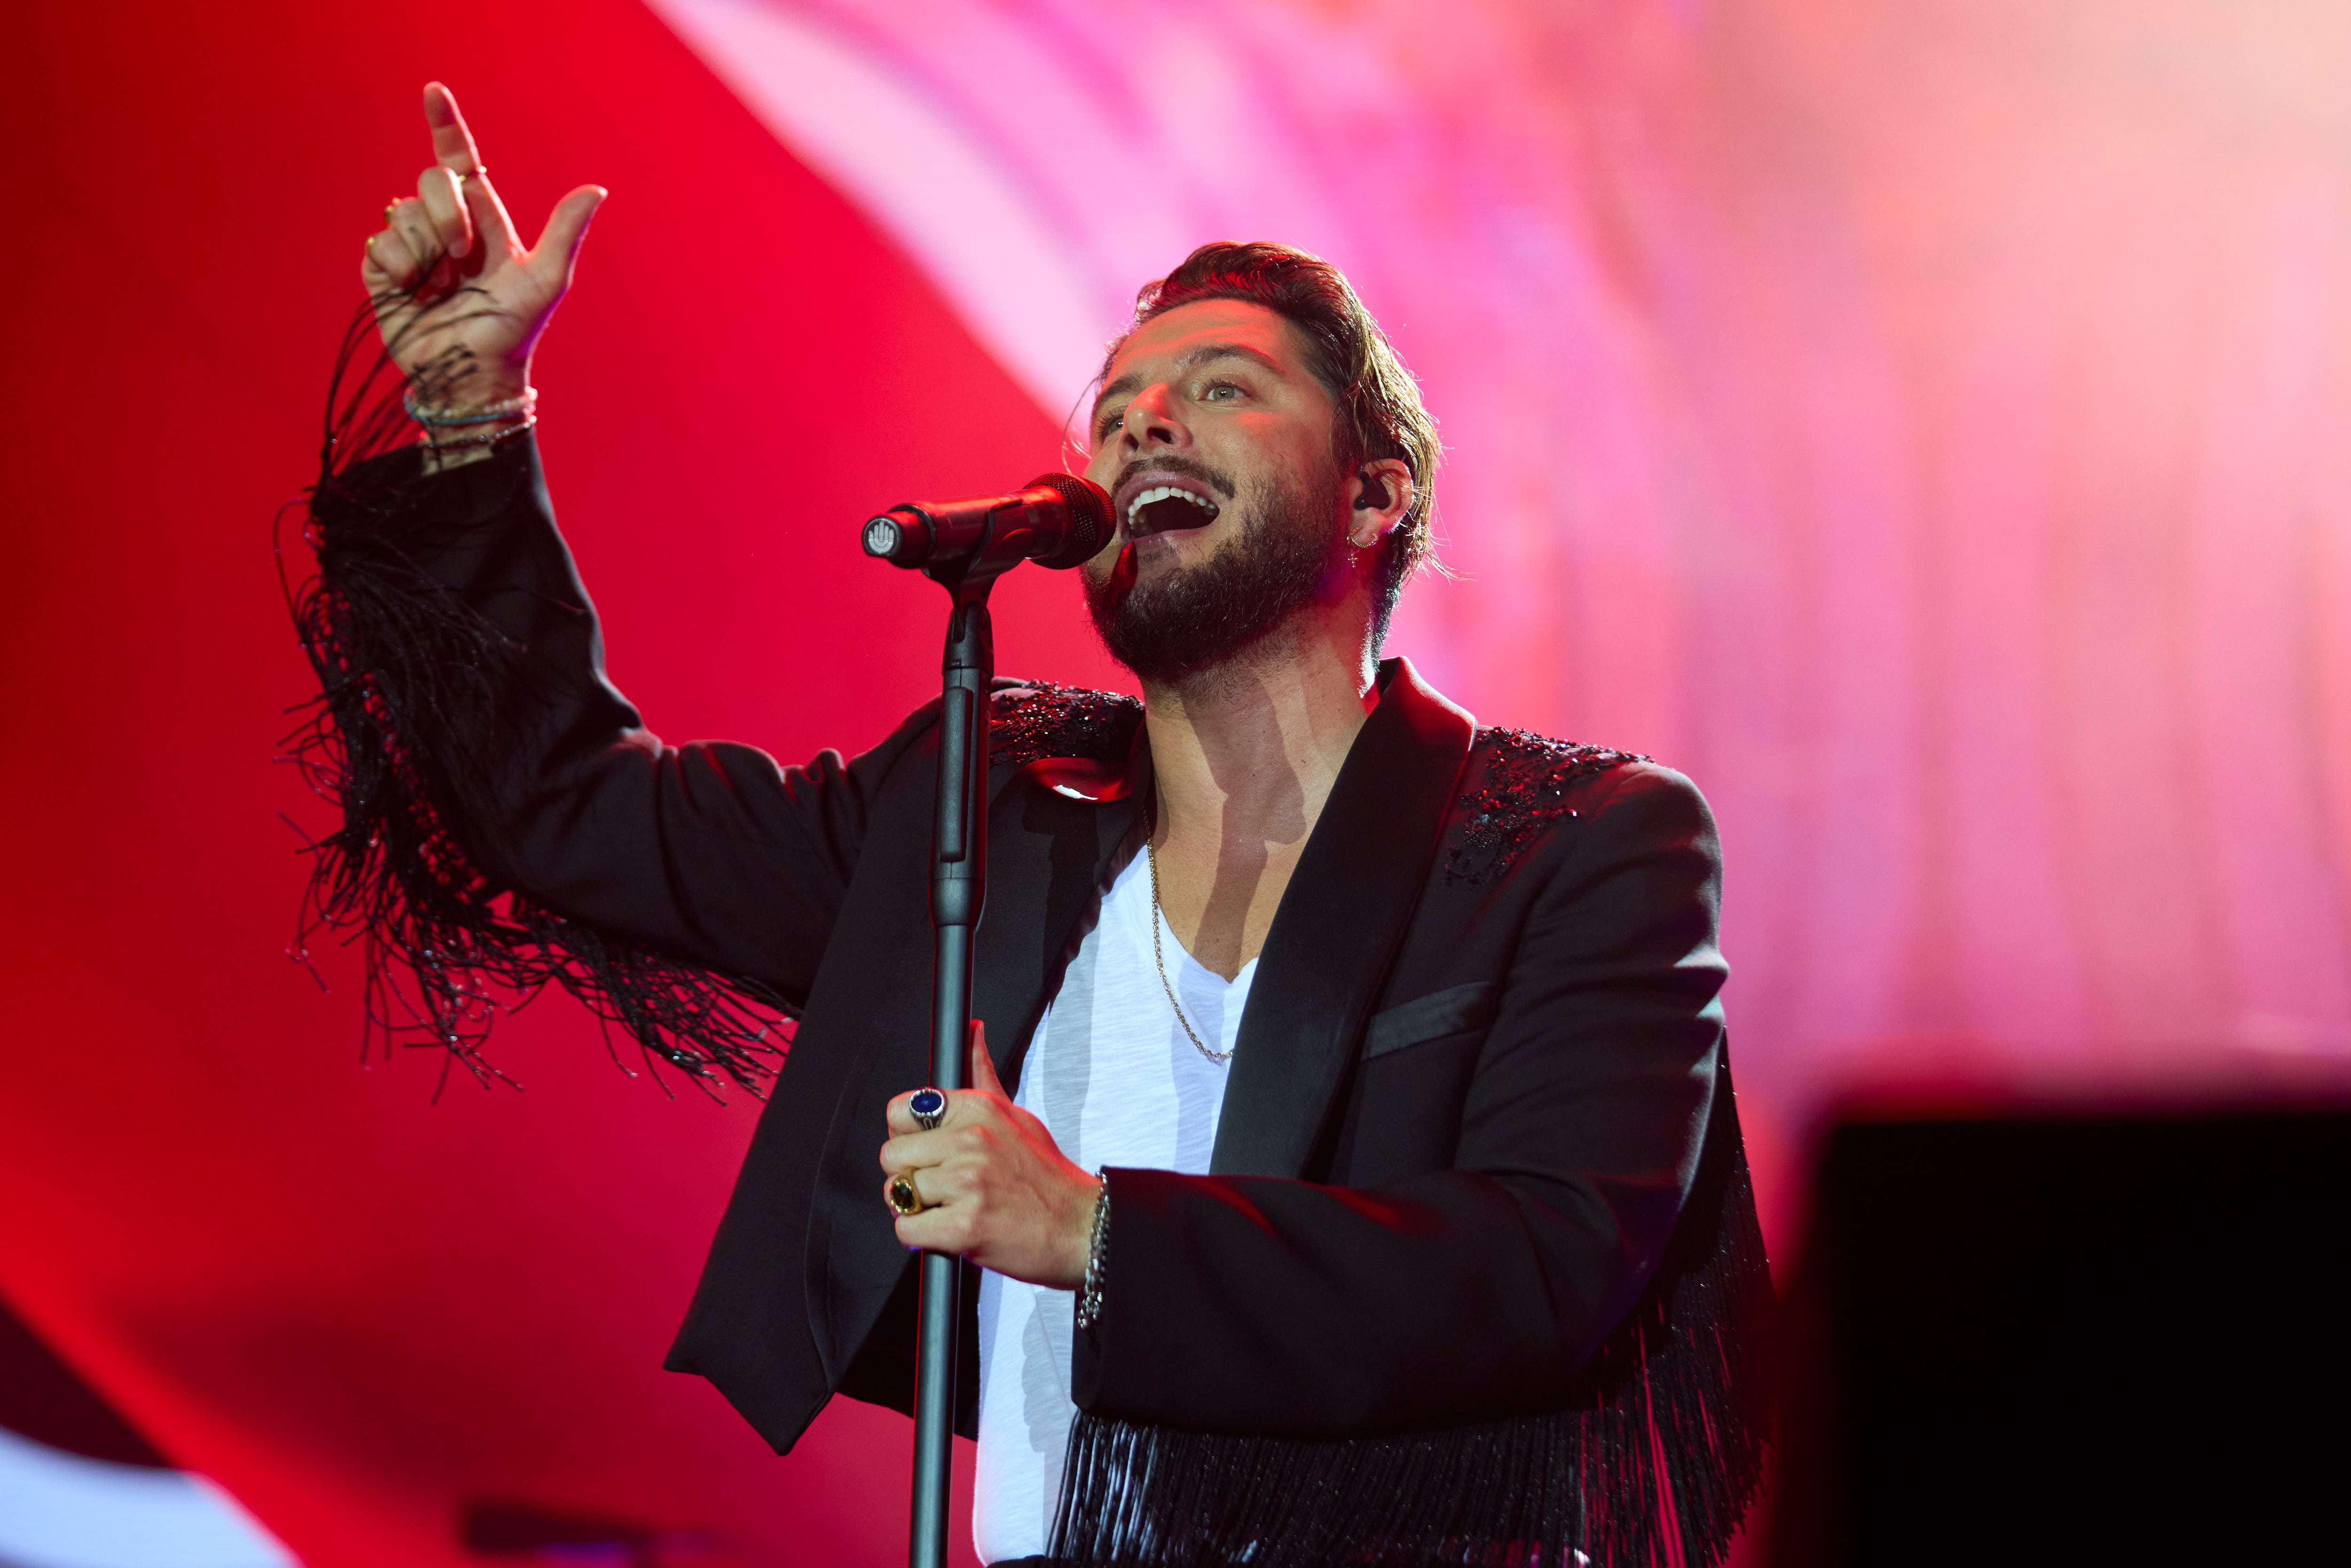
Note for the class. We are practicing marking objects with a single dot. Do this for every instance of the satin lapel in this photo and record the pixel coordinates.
(1047, 855)
(1338, 926)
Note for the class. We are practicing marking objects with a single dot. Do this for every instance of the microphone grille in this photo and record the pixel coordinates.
(1091, 524)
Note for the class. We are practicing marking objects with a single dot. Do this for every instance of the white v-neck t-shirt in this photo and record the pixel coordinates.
(1117, 1082)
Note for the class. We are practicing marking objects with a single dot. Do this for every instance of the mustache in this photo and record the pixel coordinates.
(1188, 468)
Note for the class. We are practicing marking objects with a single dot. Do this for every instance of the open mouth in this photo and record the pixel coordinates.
(1164, 509)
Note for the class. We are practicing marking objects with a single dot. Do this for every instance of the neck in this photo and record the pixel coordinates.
(1245, 755)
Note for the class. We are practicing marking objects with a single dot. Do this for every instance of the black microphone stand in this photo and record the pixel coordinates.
(958, 894)
(964, 547)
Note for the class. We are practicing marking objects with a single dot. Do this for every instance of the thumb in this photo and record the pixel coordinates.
(558, 251)
(983, 1066)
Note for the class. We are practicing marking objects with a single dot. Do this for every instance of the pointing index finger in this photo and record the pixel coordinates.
(453, 144)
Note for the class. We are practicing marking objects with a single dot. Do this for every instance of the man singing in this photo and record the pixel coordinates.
(1351, 1169)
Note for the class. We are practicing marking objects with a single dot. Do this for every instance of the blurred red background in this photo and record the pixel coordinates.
(357, 1309)
(1922, 420)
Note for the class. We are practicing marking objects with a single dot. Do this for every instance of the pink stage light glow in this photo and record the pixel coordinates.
(1923, 425)
(1922, 422)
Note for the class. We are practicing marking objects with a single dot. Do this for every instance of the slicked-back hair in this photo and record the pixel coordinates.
(1380, 412)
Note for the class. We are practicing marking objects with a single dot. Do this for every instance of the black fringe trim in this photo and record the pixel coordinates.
(406, 671)
(1654, 1468)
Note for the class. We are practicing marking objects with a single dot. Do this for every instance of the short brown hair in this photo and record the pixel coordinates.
(1380, 410)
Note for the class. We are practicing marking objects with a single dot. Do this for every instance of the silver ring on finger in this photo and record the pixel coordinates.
(929, 1108)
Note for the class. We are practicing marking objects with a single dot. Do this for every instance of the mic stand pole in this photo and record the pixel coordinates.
(958, 892)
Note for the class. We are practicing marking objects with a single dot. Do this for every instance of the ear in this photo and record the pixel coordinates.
(1383, 495)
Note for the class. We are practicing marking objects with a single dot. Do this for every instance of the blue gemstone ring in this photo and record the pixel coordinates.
(928, 1107)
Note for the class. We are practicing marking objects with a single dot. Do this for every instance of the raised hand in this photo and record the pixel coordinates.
(459, 301)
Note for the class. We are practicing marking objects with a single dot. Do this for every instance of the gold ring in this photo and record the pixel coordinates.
(389, 208)
(903, 1200)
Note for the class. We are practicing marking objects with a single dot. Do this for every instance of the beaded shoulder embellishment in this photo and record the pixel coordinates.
(1041, 719)
(1522, 790)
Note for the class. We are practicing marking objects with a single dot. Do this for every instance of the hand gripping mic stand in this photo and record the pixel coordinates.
(964, 548)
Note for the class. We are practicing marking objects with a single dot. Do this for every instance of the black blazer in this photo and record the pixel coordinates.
(1482, 1057)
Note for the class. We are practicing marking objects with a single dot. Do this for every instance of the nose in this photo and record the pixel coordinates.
(1150, 420)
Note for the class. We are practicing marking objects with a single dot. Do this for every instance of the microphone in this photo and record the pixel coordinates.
(1057, 521)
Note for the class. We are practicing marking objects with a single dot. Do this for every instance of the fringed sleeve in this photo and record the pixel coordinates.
(504, 819)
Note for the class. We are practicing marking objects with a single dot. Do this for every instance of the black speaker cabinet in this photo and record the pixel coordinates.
(2076, 1340)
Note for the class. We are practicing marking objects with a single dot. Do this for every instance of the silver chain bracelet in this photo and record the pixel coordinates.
(1090, 1299)
(432, 441)
(523, 405)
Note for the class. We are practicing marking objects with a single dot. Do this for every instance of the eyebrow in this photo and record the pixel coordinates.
(1193, 360)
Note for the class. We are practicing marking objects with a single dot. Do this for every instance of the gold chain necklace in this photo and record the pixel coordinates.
(1159, 918)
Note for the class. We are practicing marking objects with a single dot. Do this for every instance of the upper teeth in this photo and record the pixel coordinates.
(1165, 492)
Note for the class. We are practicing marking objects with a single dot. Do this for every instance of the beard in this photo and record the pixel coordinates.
(1194, 619)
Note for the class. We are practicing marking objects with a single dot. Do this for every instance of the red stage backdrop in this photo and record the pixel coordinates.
(360, 1310)
(1921, 422)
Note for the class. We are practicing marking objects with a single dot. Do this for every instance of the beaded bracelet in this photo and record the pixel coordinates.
(431, 442)
(1090, 1302)
(524, 404)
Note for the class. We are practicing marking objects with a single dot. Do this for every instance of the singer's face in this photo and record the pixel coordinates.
(1209, 420)
(1213, 437)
